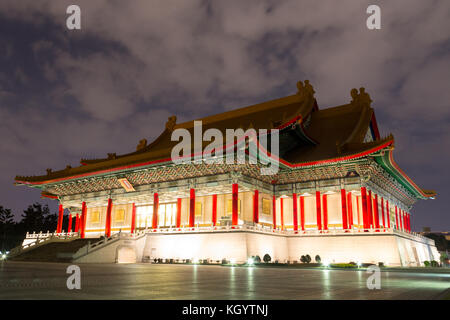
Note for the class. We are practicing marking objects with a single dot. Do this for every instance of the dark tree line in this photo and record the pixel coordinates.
(35, 218)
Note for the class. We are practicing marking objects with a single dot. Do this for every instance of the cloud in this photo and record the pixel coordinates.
(134, 63)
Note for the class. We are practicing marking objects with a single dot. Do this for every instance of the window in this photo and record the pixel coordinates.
(95, 216)
(167, 214)
(266, 203)
(120, 215)
(230, 207)
(198, 209)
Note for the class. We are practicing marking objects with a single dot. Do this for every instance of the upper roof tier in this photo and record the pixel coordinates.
(311, 137)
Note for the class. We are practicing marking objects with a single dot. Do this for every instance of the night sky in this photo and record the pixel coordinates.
(72, 94)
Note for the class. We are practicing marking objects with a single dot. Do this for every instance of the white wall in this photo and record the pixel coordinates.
(392, 250)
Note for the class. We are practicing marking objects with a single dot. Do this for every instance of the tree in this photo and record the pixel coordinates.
(308, 258)
(38, 218)
(318, 259)
(267, 258)
(6, 228)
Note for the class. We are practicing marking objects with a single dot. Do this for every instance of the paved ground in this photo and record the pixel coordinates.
(30, 280)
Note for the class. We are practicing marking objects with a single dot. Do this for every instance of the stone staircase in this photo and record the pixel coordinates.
(54, 251)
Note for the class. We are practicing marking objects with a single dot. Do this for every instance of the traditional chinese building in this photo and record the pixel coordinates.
(338, 193)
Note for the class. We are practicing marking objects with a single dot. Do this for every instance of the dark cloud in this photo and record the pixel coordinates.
(66, 94)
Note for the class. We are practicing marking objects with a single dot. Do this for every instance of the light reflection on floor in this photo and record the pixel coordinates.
(153, 281)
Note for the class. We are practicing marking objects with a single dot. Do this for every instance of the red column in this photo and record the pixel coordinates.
(400, 218)
(256, 207)
(369, 209)
(397, 226)
(388, 218)
(77, 222)
(408, 220)
(350, 210)
(382, 212)
(133, 217)
(302, 212)
(155, 210)
(375, 212)
(325, 212)
(69, 226)
(60, 219)
(235, 216)
(281, 214)
(108, 218)
(405, 222)
(178, 220)
(364, 208)
(294, 212)
(274, 212)
(214, 209)
(344, 209)
(83, 219)
(318, 211)
(358, 211)
(192, 208)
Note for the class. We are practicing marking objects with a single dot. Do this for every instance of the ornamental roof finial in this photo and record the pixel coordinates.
(305, 89)
(142, 144)
(171, 122)
(362, 98)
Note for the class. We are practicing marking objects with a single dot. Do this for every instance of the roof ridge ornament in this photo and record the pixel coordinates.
(142, 144)
(305, 90)
(361, 99)
(171, 122)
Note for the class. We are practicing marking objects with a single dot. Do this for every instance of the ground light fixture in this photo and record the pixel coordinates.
(250, 261)
(232, 261)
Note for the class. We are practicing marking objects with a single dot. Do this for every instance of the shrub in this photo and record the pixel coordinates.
(308, 258)
(267, 258)
(434, 263)
(381, 264)
(317, 258)
(224, 261)
(343, 265)
(303, 259)
(256, 259)
(426, 263)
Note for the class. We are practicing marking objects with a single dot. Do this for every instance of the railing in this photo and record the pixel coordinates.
(42, 238)
(227, 228)
(48, 234)
(269, 230)
(106, 241)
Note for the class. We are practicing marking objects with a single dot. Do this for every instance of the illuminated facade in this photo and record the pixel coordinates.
(338, 192)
